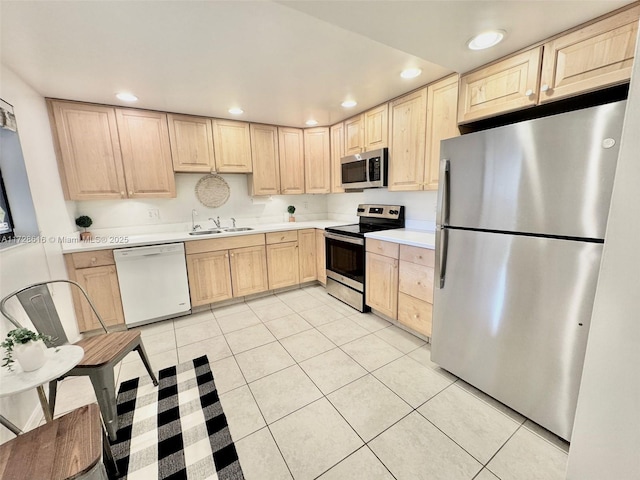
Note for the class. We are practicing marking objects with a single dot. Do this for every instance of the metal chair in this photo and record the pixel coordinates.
(101, 352)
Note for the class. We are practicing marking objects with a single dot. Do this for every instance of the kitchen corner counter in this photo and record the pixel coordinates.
(405, 236)
(107, 242)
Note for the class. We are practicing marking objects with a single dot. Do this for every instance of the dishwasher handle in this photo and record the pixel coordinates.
(123, 254)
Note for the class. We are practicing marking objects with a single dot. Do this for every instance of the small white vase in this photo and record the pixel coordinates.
(30, 355)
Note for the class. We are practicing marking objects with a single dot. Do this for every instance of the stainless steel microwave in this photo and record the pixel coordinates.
(365, 170)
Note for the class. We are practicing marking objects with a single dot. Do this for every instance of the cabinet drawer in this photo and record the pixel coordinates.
(416, 280)
(388, 249)
(281, 237)
(421, 256)
(97, 258)
(214, 244)
(415, 314)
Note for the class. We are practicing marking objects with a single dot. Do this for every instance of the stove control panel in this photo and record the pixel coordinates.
(393, 212)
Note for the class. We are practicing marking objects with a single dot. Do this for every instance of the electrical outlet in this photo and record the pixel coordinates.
(153, 213)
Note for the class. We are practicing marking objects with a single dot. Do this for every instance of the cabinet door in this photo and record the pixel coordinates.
(146, 153)
(317, 160)
(376, 127)
(381, 284)
(354, 135)
(248, 270)
(321, 259)
(191, 143)
(266, 160)
(337, 152)
(232, 146)
(596, 56)
(282, 259)
(406, 145)
(89, 157)
(307, 254)
(209, 277)
(291, 160)
(507, 85)
(101, 284)
(442, 123)
(415, 314)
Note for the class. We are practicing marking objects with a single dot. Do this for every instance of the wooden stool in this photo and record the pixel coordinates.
(68, 447)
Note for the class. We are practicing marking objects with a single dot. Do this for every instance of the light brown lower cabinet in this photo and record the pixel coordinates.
(222, 268)
(415, 288)
(282, 259)
(307, 255)
(381, 277)
(96, 273)
(321, 262)
(209, 277)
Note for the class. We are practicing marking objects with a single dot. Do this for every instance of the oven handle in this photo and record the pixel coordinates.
(343, 238)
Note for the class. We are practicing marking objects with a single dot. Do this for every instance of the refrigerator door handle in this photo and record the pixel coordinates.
(442, 244)
(443, 193)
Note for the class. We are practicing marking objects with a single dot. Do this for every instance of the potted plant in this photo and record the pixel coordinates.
(291, 209)
(84, 222)
(28, 348)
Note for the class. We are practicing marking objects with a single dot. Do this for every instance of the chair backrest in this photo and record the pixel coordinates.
(39, 307)
(38, 304)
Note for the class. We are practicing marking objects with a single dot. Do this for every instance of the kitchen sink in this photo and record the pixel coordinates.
(205, 232)
(238, 229)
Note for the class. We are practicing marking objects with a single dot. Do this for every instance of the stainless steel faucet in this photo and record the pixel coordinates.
(216, 221)
(233, 222)
(194, 227)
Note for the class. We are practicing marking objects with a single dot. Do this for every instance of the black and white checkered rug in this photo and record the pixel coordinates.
(176, 430)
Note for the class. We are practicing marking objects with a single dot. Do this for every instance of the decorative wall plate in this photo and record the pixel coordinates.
(212, 190)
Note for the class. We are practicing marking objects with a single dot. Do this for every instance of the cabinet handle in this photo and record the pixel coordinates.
(122, 194)
(130, 192)
(94, 259)
(232, 254)
(544, 88)
(226, 255)
(528, 93)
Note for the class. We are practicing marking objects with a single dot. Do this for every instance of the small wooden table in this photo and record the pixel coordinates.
(59, 360)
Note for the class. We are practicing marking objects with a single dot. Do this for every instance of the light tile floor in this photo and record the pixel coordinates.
(313, 389)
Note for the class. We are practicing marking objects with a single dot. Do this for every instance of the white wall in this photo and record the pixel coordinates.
(131, 216)
(420, 211)
(606, 435)
(25, 264)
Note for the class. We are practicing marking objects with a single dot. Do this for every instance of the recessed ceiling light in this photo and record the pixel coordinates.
(236, 111)
(411, 73)
(349, 103)
(486, 39)
(126, 97)
(311, 123)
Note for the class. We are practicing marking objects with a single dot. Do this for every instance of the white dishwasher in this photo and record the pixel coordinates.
(153, 282)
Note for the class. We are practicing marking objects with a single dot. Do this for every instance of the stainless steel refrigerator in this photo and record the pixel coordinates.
(522, 214)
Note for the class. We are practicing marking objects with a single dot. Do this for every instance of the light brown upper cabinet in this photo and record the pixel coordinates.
(407, 141)
(317, 160)
(504, 86)
(146, 153)
(354, 135)
(442, 123)
(191, 143)
(232, 146)
(265, 179)
(108, 153)
(589, 57)
(337, 152)
(88, 150)
(376, 127)
(596, 56)
(291, 142)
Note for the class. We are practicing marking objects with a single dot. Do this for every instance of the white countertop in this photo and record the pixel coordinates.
(406, 236)
(124, 241)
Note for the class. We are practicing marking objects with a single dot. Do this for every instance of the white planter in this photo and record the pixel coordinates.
(30, 355)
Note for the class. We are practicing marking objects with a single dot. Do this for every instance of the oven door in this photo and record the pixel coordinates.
(354, 172)
(345, 259)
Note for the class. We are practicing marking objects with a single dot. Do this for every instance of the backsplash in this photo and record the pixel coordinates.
(138, 216)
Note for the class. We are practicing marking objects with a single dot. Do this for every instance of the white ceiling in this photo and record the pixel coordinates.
(282, 62)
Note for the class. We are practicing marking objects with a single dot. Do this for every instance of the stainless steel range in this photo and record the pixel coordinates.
(346, 251)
